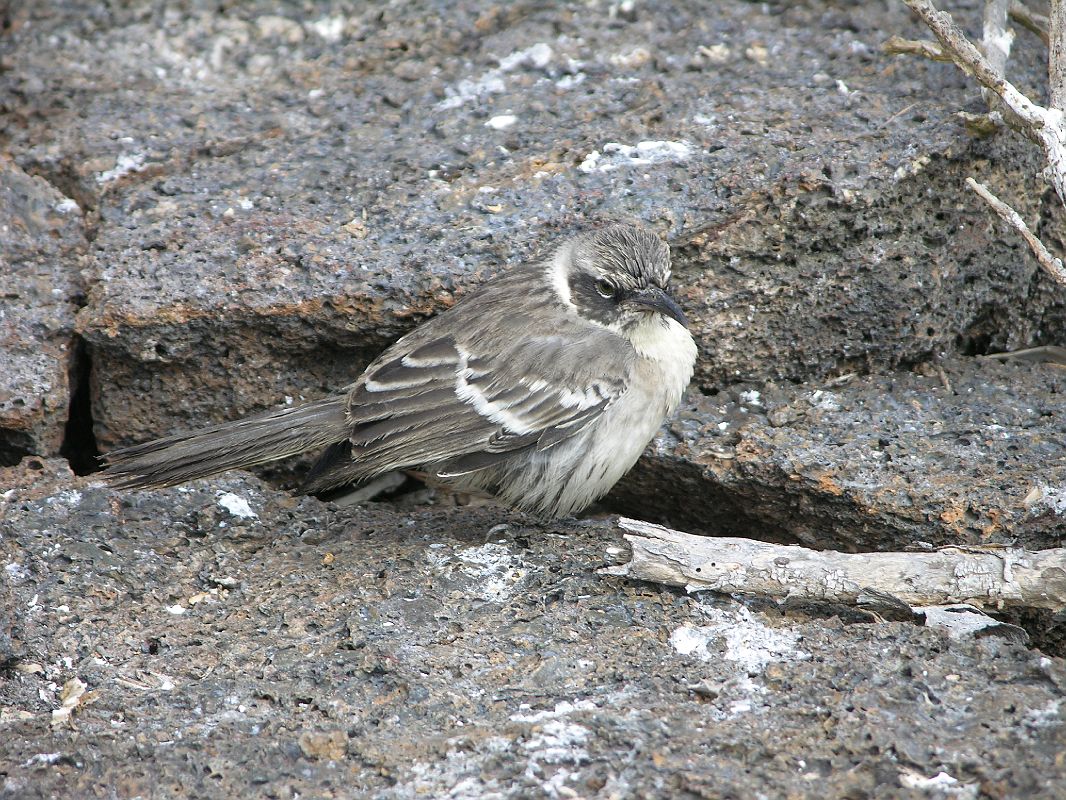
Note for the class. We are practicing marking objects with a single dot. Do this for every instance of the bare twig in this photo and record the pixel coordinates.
(996, 37)
(1057, 56)
(1045, 354)
(1049, 262)
(996, 40)
(966, 55)
(897, 46)
(1027, 18)
(1043, 125)
(990, 577)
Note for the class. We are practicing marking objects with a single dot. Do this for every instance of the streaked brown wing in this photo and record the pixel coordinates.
(437, 402)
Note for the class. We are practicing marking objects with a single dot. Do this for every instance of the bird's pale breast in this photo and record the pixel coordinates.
(577, 472)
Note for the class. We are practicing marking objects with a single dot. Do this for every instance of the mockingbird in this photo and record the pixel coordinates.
(542, 387)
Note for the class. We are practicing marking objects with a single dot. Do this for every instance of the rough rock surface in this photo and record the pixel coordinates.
(274, 197)
(230, 638)
(207, 208)
(968, 452)
(41, 242)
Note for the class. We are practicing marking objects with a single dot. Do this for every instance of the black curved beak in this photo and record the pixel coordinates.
(656, 299)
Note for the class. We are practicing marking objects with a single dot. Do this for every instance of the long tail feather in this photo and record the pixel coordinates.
(231, 445)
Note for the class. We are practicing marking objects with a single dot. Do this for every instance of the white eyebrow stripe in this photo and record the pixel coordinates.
(558, 274)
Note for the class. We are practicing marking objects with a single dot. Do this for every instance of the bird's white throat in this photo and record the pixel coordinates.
(660, 338)
(667, 360)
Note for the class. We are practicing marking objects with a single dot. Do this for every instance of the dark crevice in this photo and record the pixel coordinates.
(1046, 629)
(976, 344)
(986, 333)
(79, 442)
(671, 492)
(14, 446)
(11, 17)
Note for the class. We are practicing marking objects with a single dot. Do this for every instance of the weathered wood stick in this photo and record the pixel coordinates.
(989, 577)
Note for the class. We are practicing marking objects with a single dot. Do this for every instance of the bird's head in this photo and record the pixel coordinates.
(617, 277)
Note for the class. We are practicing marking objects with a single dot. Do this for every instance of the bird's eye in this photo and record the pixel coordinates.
(605, 288)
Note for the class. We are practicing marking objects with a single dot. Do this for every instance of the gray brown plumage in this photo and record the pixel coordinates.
(542, 387)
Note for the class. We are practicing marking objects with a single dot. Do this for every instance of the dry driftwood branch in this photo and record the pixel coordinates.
(1046, 126)
(989, 577)
(1050, 263)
